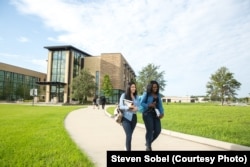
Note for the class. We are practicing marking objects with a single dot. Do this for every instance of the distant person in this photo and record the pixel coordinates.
(151, 103)
(97, 102)
(103, 102)
(94, 102)
(129, 119)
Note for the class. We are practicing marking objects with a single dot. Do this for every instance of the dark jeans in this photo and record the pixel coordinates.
(103, 106)
(129, 127)
(153, 127)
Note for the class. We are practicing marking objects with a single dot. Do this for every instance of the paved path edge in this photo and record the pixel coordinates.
(198, 139)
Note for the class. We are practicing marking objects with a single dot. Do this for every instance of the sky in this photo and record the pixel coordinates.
(188, 39)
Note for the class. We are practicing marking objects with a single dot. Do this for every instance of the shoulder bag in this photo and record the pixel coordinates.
(118, 115)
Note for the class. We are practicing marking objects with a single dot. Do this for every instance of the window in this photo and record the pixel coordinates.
(58, 66)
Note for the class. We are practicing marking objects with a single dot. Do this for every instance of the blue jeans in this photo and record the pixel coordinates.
(129, 127)
(153, 127)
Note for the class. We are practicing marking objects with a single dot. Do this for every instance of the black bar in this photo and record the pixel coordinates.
(177, 158)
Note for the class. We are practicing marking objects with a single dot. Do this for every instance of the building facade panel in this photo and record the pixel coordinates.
(16, 82)
(112, 65)
(116, 67)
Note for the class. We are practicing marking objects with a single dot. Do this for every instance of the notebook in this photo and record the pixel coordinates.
(127, 102)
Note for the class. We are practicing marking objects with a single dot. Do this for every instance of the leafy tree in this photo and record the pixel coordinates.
(148, 73)
(83, 85)
(19, 91)
(107, 87)
(8, 89)
(222, 84)
(22, 91)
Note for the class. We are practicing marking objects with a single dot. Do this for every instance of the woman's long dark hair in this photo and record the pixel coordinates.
(150, 90)
(128, 91)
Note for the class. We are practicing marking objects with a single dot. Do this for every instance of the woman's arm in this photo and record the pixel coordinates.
(122, 106)
(160, 105)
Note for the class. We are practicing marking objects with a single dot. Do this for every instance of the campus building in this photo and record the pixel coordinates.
(16, 83)
(66, 62)
(63, 64)
(178, 99)
(183, 99)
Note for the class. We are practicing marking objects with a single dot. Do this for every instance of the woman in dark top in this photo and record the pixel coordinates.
(152, 113)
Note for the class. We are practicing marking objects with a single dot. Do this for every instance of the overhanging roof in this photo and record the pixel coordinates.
(51, 83)
(65, 47)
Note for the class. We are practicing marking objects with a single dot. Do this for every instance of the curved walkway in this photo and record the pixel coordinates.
(95, 132)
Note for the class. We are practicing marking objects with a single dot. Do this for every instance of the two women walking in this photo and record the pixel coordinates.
(152, 112)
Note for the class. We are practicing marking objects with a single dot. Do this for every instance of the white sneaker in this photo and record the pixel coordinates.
(125, 149)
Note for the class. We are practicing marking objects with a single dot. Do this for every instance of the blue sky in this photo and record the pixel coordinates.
(188, 39)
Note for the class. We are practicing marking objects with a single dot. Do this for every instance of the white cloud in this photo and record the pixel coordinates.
(190, 40)
(41, 65)
(7, 55)
(26, 61)
(23, 39)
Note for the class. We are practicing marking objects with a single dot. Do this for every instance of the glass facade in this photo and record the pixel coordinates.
(78, 65)
(58, 66)
(58, 71)
(116, 96)
(14, 86)
(58, 74)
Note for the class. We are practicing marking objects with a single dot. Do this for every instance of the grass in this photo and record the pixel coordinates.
(224, 123)
(36, 136)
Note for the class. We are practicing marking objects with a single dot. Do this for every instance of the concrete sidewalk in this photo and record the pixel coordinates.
(95, 132)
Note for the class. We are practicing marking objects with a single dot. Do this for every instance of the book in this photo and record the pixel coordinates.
(157, 112)
(129, 103)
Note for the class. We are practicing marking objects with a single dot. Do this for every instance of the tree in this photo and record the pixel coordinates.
(8, 89)
(22, 91)
(222, 84)
(148, 73)
(83, 85)
(107, 87)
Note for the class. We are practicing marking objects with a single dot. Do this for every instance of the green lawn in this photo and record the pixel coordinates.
(225, 123)
(36, 136)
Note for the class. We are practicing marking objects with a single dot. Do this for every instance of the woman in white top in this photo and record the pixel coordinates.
(129, 119)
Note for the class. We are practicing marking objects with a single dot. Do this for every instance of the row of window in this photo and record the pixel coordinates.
(14, 86)
(58, 66)
(6, 75)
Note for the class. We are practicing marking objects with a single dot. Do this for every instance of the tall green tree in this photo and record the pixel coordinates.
(107, 87)
(8, 89)
(222, 85)
(83, 85)
(148, 73)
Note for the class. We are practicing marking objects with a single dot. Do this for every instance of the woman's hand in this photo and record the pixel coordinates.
(133, 108)
(152, 105)
(161, 116)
